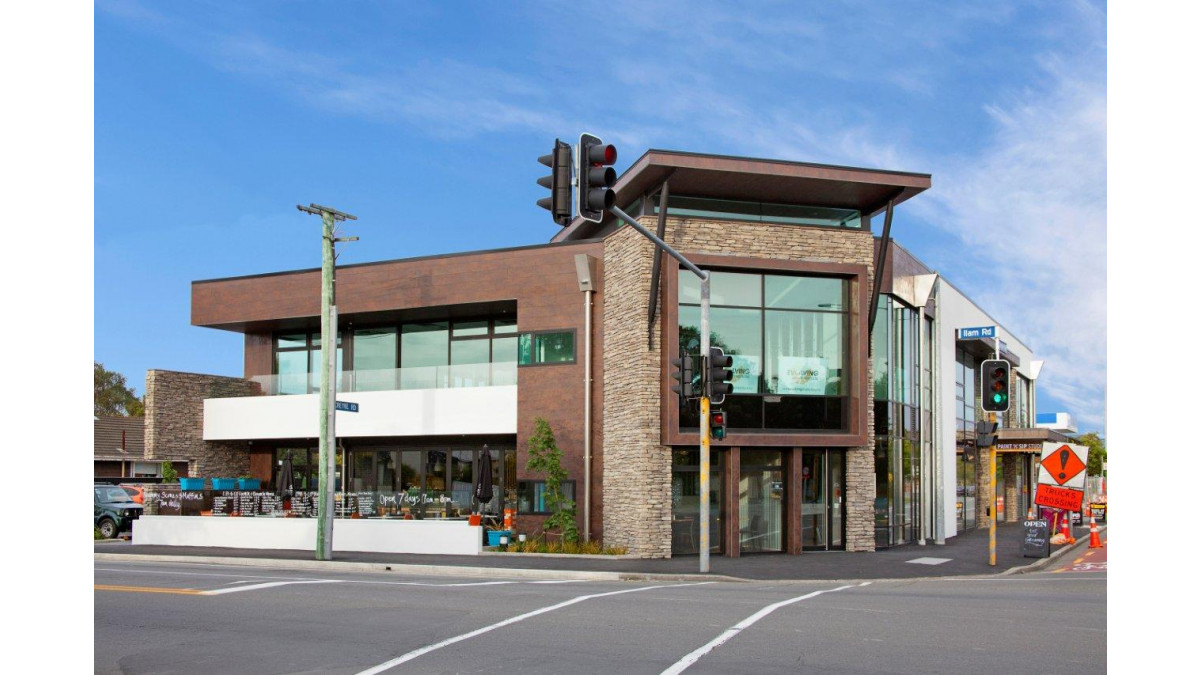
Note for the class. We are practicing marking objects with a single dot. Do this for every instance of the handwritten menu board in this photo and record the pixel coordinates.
(247, 503)
(268, 503)
(223, 503)
(1036, 543)
(366, 504)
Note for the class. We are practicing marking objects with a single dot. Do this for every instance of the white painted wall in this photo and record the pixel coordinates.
(369, 535)
(413, 412)
(955, 311)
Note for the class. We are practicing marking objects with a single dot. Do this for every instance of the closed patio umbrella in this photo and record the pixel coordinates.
(285, 487)
(483, 488)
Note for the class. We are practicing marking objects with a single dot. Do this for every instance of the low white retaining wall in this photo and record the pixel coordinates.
(455, 537)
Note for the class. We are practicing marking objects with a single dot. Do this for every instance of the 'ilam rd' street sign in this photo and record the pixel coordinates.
(976, 332)
(345, 406)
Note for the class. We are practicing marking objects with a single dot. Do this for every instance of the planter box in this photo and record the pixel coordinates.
(224, 483)
(494, 536)
(248, 483)
(191, 484)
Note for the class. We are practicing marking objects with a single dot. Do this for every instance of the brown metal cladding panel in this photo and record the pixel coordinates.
(860, 297)
(792, 502)
(259, 356)
(523, 275)
(733, 525)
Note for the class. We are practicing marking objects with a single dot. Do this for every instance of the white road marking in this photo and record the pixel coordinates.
(272, 584)
(386, 665)
(687, 661)
(929, 561)
(245, 579)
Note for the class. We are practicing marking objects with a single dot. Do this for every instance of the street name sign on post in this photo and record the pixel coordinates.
(976, 332)
(345, 406)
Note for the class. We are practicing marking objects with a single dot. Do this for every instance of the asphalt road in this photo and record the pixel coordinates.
(186, 618)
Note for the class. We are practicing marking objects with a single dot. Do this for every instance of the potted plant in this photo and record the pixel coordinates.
(191, 484)
(224, 484)
(496, 532)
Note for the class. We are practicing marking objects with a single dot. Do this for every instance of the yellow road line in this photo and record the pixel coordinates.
(148, 589)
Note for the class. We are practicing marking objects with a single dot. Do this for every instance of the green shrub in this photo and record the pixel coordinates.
(96, 533)
(169, 474)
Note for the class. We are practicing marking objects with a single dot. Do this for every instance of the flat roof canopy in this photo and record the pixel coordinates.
(759, 180)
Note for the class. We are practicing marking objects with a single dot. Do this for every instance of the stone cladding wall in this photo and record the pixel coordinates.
(637, 468)
(1011, 498)
(175, 422)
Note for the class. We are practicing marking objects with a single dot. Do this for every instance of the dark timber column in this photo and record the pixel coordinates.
(793, 503)
(733, 476)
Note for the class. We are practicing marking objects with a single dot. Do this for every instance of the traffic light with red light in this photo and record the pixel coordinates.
(559, 182)
(596, 177)
(716, 424)
(719, 376)
(994, 384)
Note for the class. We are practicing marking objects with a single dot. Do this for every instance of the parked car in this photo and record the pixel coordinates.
(136, 492)
(115, 510)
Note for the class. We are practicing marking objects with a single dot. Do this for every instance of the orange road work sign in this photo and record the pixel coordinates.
(1061, 464)
(1054, 497)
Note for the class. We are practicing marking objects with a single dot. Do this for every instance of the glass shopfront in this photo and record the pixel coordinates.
(418, 483)
(823, 500)
(685, 502)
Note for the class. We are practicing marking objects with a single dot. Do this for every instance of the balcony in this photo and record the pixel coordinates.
(499, 374)
(427, 401)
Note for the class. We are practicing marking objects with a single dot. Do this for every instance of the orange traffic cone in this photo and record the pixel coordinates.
(1066, 528)
(1029, 515)
(1095, 538)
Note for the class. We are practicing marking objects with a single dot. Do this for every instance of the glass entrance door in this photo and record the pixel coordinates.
(822, 500)
(760, 505)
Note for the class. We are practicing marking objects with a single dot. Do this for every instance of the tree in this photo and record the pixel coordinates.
(113, 396)
(1097, 452)
(546, 459)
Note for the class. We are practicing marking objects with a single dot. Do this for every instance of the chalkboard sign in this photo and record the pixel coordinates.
(221, 504)
(247, 503)
(268, 503)
(168, 503)
(1098, 511)
(1036, 543)
(191, 503)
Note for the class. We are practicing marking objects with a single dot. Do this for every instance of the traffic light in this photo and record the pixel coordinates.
(994, 381)
(596, 177)
(719, 375)
(685, 375)
(985, 434)
(716, 424)
(559, 183)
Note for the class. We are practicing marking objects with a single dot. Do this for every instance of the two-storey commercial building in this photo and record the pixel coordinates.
(843, 430)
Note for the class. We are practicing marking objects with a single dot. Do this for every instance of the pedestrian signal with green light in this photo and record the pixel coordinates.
(716, 424)
(993, 377)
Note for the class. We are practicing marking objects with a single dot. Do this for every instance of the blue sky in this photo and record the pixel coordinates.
(214, 119)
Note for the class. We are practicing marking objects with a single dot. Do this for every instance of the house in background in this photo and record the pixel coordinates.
(119, 450)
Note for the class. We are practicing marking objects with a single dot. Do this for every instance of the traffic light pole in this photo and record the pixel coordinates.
(992, 510)
(705, 449)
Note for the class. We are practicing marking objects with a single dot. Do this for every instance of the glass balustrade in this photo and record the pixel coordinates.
(496, 374)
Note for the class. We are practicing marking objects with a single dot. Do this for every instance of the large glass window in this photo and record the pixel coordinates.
(685, 501)
(531, 495)
(424, 355)
(374, 359)
(298, 363)
(787, 336)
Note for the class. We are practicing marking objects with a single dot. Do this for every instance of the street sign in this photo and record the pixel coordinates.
(1063, 464)
(976, 332)
(1054, 497)
(345, 406)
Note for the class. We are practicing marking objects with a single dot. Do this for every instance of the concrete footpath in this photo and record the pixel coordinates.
(962, 555)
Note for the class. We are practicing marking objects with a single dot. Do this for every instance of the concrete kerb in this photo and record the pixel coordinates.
(1039, 564)
(431, 570)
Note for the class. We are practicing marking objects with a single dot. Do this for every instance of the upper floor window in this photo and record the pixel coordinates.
(788, 338)
(414, 355)
(546, 347)
(759, 212)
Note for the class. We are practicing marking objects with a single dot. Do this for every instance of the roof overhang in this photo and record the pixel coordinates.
(758, 180)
